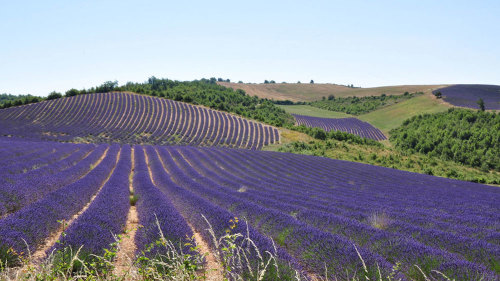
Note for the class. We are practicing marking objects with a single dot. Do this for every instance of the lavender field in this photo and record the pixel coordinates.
(316, 210)
(348, 125)
(468, 95)
(132, 118)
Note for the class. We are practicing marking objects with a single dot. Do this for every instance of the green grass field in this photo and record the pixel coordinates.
(391, 117)
(313, 111)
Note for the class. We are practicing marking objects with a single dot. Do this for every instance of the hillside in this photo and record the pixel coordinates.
(311, 92)
(321, 214)
(132, 118)
(468, 95)
(391, 117)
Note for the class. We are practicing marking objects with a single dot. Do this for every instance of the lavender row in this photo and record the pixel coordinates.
(131, 118)
(16, 195)
(348, 125)
(313, 248)
(192, 207)
(352, 229)
(32, 225)
(95, 229)
(155, 209)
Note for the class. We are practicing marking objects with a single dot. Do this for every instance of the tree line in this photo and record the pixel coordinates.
(360, 105)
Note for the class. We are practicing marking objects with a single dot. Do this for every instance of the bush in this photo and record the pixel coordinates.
(54, 95)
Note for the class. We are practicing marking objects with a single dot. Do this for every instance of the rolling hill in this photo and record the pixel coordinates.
(131, 118)
(311, 92)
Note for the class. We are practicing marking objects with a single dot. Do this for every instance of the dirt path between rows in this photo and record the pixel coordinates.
(126, 248)
(40, 254)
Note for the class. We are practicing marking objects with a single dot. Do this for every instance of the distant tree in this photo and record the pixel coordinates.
(480, 102)
(272, 82)
(331, 97)
(54, 95)
(312, 82)
(228, 80)
(212, 80)
(72, 92)
(266, 82)
(220, 79)
(438, 94)
(352, 86)
(240, 82)
(298, 82)
(323, 98)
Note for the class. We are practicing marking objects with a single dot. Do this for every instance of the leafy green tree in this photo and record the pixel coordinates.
(480, 102)
(54, 95)
(72, 92)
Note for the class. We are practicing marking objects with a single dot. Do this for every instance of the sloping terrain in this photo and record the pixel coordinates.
(131, 118)
(348, 125)
(468, 95)
(317, 210)
(312, 92)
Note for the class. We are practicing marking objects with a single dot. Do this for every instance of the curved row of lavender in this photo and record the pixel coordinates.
(315, 209)
(348, 125)
(134, 119)
(467, 95)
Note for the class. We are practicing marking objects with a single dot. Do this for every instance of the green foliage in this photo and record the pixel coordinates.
(467, 137)
(357, 106)
(54, 95)
(72, 92)
(480, 102)
(7, 100)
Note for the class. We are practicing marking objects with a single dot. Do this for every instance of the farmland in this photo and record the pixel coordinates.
(348, 125)
(315, 209)
(132, 118)
(75, 169)
(313, 92)
(468, 95)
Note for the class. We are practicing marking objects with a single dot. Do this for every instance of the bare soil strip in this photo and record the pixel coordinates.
(40, 254)
(126, 248)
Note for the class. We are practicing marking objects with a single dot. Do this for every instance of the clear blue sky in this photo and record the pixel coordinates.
(57, 45)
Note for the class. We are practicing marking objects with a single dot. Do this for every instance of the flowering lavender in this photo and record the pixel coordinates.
(348, 125)
(468, 95)
(131, 118)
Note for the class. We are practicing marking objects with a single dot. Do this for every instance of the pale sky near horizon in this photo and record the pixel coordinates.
(58, 45)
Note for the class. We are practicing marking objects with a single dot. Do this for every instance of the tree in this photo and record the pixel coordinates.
(228, 80)
(480, 102)
(331, 97)
(438, 94)
(72, 92)
(312, 82)
(272, 82)
(54, 95)
(266, 82)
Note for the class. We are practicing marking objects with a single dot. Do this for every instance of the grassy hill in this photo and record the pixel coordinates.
(312, 92)
(391, 117)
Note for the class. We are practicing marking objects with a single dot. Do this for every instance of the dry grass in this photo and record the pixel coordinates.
(311, 92)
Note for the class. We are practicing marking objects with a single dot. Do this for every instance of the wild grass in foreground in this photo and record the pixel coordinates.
(234, 252)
